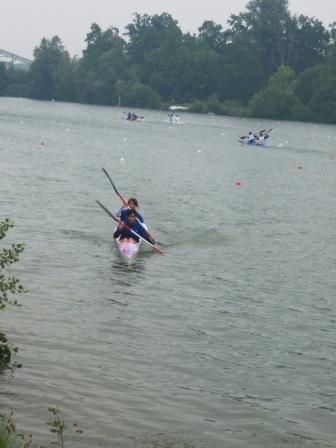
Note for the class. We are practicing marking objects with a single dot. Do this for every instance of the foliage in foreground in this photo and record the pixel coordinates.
(9, 285)
(56, 424)
(9, 438)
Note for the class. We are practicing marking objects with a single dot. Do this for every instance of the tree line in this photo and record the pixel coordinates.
(265, 63)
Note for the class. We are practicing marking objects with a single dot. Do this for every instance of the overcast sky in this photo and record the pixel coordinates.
(23, 23)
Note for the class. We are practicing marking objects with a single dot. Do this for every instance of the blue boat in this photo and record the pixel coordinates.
(260, 138)
(255, 142)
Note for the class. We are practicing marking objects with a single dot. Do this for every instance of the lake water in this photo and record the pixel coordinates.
(229, 339)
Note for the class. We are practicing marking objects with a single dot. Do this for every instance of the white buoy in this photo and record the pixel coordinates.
(199, 150)
(122, 159)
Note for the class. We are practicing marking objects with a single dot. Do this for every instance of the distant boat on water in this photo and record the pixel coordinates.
(174, 108)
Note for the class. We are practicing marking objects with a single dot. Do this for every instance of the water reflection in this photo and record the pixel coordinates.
(125, 280)
(127, 275)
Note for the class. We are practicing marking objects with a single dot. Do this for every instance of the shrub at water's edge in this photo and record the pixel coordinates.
(9, 438)
(9, 285)
(214, 106)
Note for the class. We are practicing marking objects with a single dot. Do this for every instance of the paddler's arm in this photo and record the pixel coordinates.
(147, 236)
(117, 233)
(143, 232)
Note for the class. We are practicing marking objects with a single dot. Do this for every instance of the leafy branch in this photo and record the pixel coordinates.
(9, 285)
(56, 424)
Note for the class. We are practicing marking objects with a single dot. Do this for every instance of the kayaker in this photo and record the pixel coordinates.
(132, 204)
(124, 232)
(250, 137)
(261, 139)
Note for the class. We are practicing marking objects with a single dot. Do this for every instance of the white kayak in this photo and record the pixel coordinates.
(128, 249)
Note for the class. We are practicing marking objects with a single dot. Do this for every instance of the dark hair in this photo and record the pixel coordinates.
(131, 212)
(133, 200)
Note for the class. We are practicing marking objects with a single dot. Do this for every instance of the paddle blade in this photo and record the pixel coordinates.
(111, 181)
(123, 200)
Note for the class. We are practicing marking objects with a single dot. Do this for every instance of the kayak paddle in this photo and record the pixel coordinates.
(123, 200)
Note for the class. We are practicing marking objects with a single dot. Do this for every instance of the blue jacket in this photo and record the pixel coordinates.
(126, 233)
(122, 214)
(124, 217)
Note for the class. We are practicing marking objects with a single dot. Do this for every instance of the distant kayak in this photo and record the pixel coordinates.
(133, 117)
(245, 141)
(137, 119)
(260, 138)
(175, 121)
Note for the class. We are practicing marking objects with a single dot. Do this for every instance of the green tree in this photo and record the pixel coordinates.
(103, 66)
(331, 50)
(181, 69)
(202, 74)
(18, 82)
(146, 33)
(3, 79)
(278, 100)
(310, 42)
(308, 82)
(155, 51)
(315, 87)
(241, 70)
(51, 71)
(140, 95)
(214, 35)
(323, 102)
(267, 24)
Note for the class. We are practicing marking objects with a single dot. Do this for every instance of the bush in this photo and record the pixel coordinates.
(9, 285)
(139, 95)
